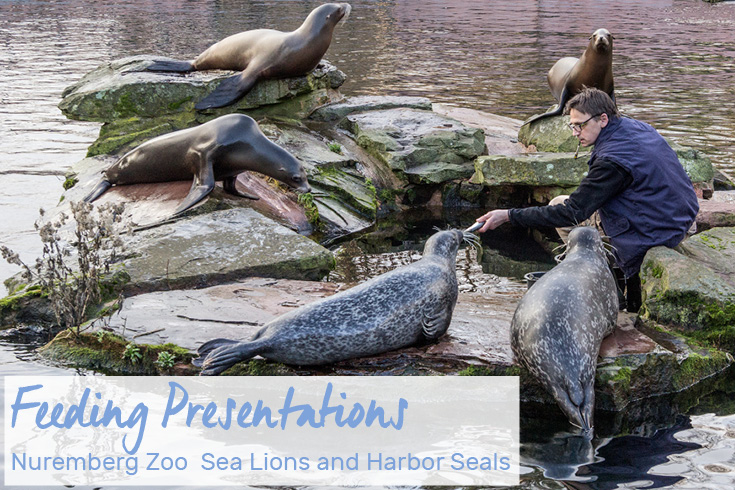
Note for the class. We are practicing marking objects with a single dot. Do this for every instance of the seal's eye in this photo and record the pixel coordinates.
(296, 178)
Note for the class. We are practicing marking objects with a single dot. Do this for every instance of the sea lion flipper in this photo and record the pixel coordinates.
(201, 187)
(228, 91)
(100, 189)
(228, 184)
(171, 65)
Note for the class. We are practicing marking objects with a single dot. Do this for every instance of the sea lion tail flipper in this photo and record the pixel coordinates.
(100, 189)
(556, 112)
(171, 65)
(227, 354)
(227, 92)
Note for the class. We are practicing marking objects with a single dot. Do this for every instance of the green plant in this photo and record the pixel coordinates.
(132, 353)
(335, 147)
(100, 334)
(70, 268)
(307, 202)
(165, 360)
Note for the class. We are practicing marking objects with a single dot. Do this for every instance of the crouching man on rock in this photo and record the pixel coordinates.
(636, 189)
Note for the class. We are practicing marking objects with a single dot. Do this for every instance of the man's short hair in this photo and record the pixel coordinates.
(593, 101)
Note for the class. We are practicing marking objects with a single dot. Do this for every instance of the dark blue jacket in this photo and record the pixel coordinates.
(658, 207)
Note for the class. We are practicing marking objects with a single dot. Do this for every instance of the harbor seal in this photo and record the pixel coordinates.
(570, 75)
(217, 150)
(262, 54)
(407, 305)
(559, 325)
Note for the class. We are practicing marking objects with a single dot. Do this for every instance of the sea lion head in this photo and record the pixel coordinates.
(328, 15)
(601, 40)
(444, 244)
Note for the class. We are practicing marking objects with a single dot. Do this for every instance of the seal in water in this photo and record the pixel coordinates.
(217, 150)
(559, 325)
(570, 75)
(263, 53)
(399, 308)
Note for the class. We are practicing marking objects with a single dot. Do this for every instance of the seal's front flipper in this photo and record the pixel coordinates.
(171, 66)
(227, 92)
(203, 183)
(436, 319)
(98, 191)
(228, 184)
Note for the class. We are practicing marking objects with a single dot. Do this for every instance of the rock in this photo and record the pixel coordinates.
(693, 292)
(138, 105)
(422, 146)
(535, 170)
(501, 133)
(365, 103)
(218, 247)
(715, 213)
(550, 134)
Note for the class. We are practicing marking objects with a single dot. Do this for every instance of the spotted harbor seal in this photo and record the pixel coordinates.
(559, 325)
(217, 150)
(570, 75)
(262, 54)
(399, 308)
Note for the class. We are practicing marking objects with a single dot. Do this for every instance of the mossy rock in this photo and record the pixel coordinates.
(688, 296)
(533, 170)
(105, 353)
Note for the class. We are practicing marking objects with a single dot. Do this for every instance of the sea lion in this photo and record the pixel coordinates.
(262, 54)
(399, 308)
(559, 324)
(570, 75)
(217, 150)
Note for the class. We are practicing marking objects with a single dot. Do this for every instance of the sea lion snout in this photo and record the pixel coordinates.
(602, 39)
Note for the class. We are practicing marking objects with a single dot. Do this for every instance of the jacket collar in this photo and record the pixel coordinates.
(607, 132)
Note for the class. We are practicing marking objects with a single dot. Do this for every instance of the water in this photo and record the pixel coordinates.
(674, 67)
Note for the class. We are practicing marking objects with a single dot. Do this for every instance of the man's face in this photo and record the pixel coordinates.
(591, 126)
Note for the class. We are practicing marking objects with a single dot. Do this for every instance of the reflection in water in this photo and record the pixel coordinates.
(630, 459)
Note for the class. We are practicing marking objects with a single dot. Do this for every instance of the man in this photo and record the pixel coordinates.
(643, 196)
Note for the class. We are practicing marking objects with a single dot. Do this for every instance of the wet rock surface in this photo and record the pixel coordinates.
(422, 146)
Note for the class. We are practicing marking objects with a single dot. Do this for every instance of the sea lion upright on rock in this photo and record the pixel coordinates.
(559, 325)
(570, 75)
(262, 54)
(399, 308)
(217, 150)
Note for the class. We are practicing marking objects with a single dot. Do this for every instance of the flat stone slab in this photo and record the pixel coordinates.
(631, 364)
(716, 212)
(423, 146)
(218, 247)
(364, 103)
(534, 170)
(501, 133)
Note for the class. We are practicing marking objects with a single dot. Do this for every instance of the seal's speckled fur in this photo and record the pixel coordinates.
(393, 310)
(559, 325)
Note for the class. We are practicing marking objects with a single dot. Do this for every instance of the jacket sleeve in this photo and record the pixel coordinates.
(605, 180)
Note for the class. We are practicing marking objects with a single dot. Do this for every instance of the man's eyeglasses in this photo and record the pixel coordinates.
(580, 126)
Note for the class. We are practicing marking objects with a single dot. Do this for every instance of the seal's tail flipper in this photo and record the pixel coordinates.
(98, 191)
(223, 353)
(171, 66)
(208, 347)
(227, 92)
